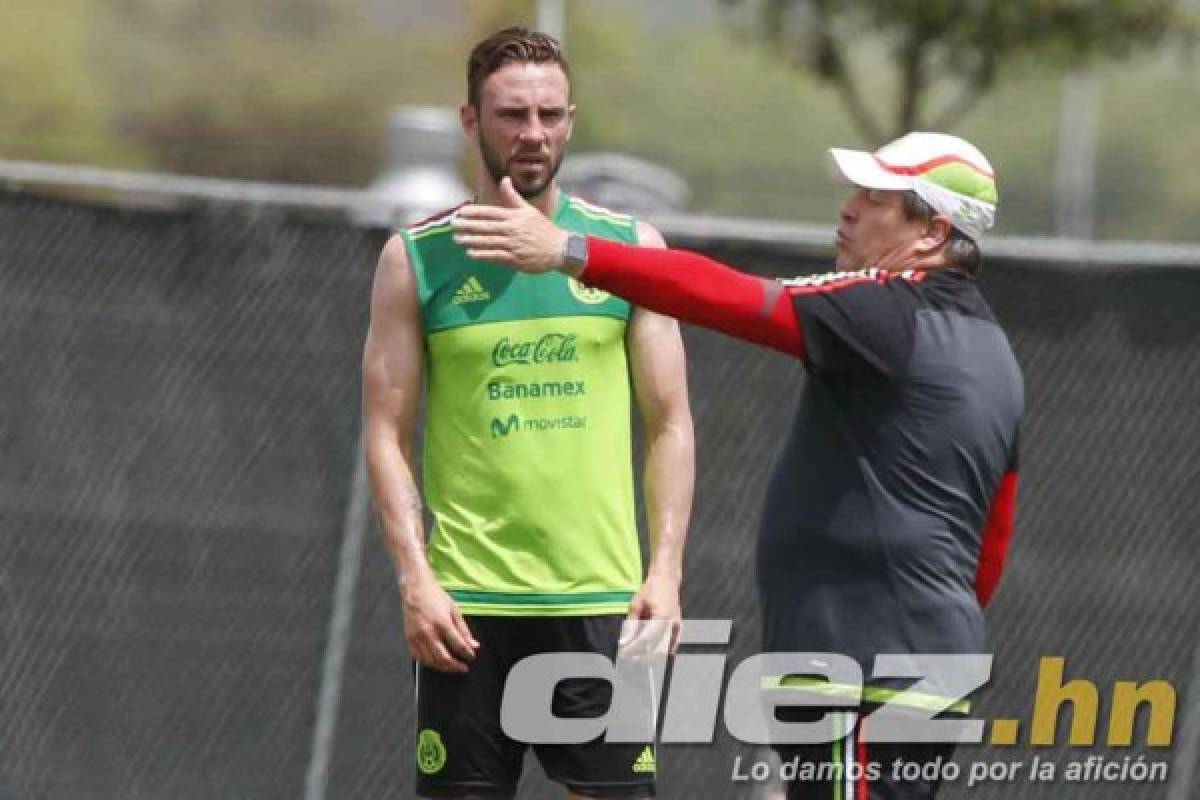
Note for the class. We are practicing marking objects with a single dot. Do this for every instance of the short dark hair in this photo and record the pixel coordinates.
(962, 252)
(515, 45)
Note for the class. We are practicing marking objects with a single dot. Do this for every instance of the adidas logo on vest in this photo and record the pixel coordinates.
(471, 291)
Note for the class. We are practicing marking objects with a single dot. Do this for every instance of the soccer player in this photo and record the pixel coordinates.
(527, 453)
(891, 507)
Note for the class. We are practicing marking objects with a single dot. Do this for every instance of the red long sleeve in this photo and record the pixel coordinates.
(696, 289)
(997, 534)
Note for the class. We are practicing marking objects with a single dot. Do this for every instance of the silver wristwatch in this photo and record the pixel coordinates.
(575, 252)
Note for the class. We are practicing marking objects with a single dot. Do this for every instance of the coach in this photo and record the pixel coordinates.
(891, 507)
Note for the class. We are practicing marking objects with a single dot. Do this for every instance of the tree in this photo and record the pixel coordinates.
(949, 53)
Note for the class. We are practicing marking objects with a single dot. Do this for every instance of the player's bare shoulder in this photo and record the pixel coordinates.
(395, 253)
(395, 258)
(391, 352)
(648, 236)
(393, 275)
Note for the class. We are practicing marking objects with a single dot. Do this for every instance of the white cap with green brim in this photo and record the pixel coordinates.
(948, 173)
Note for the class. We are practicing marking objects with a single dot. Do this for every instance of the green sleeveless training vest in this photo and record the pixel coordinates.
(527, 461)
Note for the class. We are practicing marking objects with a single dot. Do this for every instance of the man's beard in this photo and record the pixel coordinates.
(495, 167)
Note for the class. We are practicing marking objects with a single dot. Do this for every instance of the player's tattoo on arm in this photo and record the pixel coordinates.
(410, 499)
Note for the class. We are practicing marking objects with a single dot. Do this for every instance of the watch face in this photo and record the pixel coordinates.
(576, 255)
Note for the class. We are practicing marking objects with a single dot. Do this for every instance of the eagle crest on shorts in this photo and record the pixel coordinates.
(431, 753)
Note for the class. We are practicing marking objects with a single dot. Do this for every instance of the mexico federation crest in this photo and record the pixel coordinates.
(431, 753)
(585, 295)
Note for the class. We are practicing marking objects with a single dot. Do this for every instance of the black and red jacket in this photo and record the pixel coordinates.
(891, 507)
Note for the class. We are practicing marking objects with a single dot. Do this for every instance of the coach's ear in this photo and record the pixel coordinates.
(935, 236)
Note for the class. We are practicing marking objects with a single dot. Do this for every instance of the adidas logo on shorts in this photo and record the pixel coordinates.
(645, 762)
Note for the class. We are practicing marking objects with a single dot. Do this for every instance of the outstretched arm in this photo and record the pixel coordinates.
(696, 289)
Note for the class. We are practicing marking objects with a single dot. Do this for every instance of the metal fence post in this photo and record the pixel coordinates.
(353, 533)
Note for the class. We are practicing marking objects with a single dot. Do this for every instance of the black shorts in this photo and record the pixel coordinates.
(852, 768)
(461, 747)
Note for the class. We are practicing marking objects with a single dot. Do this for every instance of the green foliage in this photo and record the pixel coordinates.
(742, 130)
(55, 106)
(953, 48)
(485, 17)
